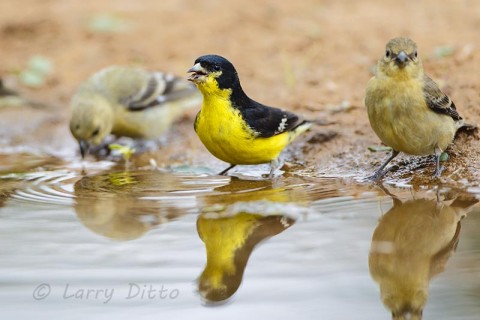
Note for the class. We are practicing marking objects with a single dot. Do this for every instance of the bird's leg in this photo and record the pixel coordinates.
(438, 205)
(395, 199)
(439, 168)
(380, 172)
(274, 165)
(226, 170)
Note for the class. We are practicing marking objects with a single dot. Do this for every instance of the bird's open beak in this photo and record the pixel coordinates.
(84, 146)
(198, 73)
(401, 59)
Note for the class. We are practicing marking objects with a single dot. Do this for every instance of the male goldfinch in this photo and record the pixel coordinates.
(235, 128)
(127, 101)
(406, 109)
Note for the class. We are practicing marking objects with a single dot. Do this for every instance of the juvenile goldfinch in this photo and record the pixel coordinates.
(130, 102)
(235, 128)
(406, 109)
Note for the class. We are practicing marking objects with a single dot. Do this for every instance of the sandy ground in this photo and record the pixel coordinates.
(312, 57)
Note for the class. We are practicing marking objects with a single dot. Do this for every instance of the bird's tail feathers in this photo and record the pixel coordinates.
(468, 128)
(300, 128)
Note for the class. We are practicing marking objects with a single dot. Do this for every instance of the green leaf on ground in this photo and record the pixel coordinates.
(379, 148)
(444, 157)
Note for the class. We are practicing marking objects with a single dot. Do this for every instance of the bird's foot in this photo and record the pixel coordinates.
(377, 175)
(383, 168)
(373, 178)
(438, 171)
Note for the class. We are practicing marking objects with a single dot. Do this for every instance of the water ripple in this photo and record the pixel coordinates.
(49, 187)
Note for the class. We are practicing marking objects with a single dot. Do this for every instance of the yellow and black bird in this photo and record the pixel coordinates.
(130, 102)
(406, 108)
(235, 128)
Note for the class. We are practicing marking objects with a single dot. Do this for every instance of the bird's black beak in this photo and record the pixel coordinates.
(401, 58)
(198, 73)
(84, 146)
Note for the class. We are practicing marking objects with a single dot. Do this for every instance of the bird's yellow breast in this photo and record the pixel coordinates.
(401, 118)
(228, 137)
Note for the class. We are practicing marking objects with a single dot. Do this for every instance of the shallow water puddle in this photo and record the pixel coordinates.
(116, 244)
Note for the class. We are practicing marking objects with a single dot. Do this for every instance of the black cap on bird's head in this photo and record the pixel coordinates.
(214, 67)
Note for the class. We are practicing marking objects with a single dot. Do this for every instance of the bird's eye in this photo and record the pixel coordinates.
(388, 53)
(415, 54)
(216, 67)
(96, 131)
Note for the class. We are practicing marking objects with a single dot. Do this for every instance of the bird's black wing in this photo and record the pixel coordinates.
(267, 121)
(437, 100)
(159, 88)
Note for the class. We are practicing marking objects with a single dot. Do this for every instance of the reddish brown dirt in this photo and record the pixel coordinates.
(308, 56)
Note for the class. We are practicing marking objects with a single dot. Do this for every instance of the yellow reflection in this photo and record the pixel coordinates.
(111, 204)
(229, 241)
(282, 191)
(411, 244)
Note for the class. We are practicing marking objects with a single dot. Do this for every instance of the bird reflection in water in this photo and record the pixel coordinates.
(235, 220)
(411, 244)
(112, 204)
(229, 241)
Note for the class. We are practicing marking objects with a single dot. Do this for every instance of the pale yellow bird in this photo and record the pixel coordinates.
(131, 102)
(406, 108)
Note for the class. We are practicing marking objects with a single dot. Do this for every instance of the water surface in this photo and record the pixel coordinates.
(147, 244)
